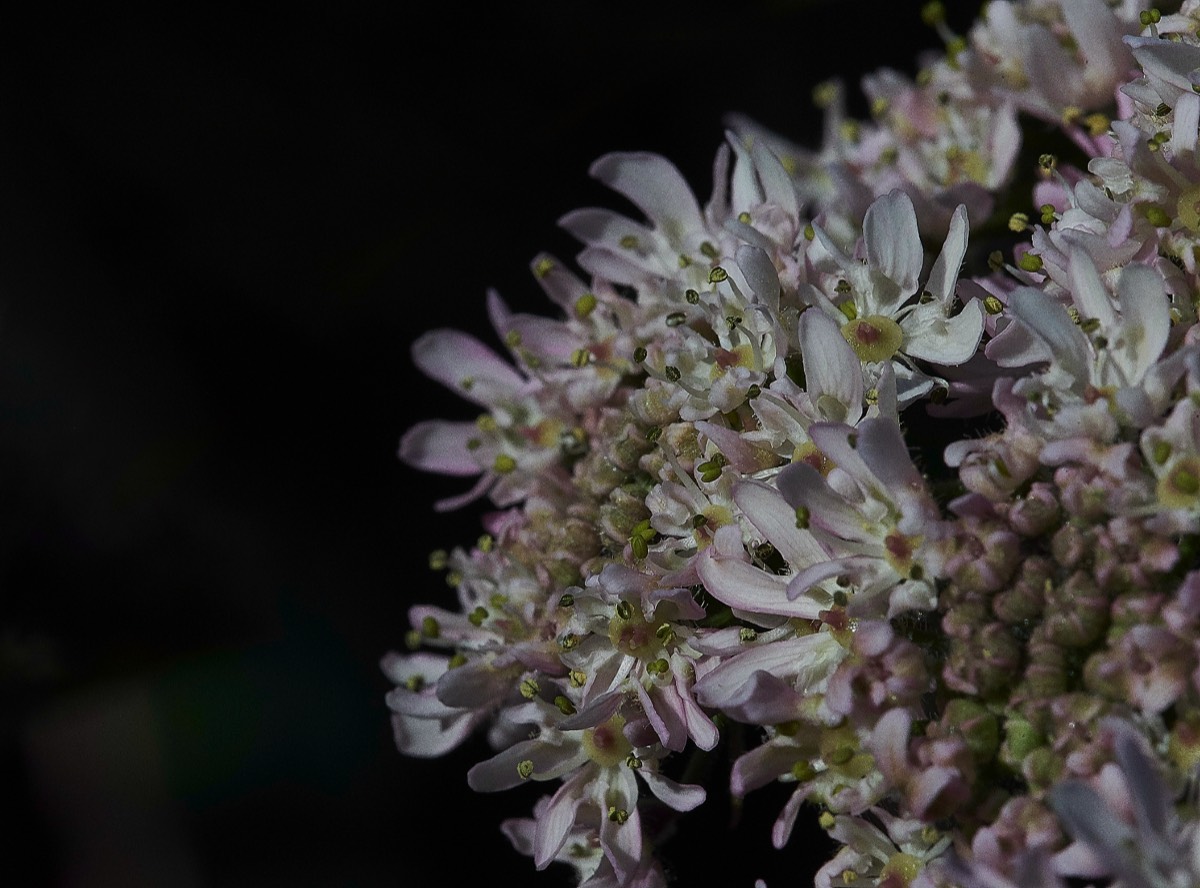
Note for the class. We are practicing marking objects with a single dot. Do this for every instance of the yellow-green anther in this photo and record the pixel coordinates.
(1162, 109)
(485, 422)
(633, 761)
(676, 318)
(485, 543)
(841, 755)
(581, 357)
(477, 616)
(412, 639)
(1073, 314)
(503, 464)
(824, 93)
(672, 373)
(567, 600)
(871, 396)
(639, 354)
(577, 678)
(564, 704)
(753, 392)
(1047, 161)
(430, 628)
(629, 242)
(639, 547)
(810, 233)
(585, 305)
(1089, 325)
(1030, 262)
(916, 572)
(849, 877)
(658, 667)
(1161, 451)
(1149, 17)
(653, 434)
(415, 682)
(802, 517)
(747, 634)
(849, 309)
(732, 320)
(459, 659)
(717, 275)
(826, 820)
(568, 641)
(709, 471)
(803, 771)
(709, 250)
(617, 815)
(1018, 222)
(850, 130)
(843, 286)
(684, 260)
(665, 633)
(466, 383)
(699, 521)
(840, 598)
(454, 579)
(624, 609)
(995, 260)
(1157, 217)
(544, 267)
(529, 688)
(691, 296)
(933, 13)
(525, 769)
(954, 46)
(879, 106)
(1185, 481)
(438, 559)
(992, 305)
(1048, 213)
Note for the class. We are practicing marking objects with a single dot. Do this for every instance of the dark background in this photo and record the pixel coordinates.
(219, 236)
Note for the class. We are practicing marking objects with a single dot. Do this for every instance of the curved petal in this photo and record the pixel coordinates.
(439, 445)
(465, 365)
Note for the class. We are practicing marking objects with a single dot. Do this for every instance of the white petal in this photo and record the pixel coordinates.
(766, 509)
(950, 341)
(893, 240)
(1145, 315)
(945, 269)
(679, 796)
(1048, 321)
(461, 362)
(830, 366)
(654, 185)
(439, 445)
(743, 586)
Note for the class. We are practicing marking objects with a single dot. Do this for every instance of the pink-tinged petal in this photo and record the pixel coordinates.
(700, 727)
(831, 369)
(598, 711)
(545, 337)
(893, 240)
(607, 229)
(745, 587)
(615, 267)
(1145, 315)
(807, 659)
(439, 445)
(485, 483)
(476, 684)
(839, 442)
(498, 312)
(760, 766)
(889, 745)
(1016, 346)
(655, 186)
(770, 514)
(882, 447)
(760, 274)
(944, 274)
(678, 796)
(742, 455)
(622, 842)
(1166, 62)
(500, 771)
(465, 365)
(1088, 290)
(802, 486)
(1048, 321)
(1098, 33)
(558, 282)
(555, 821)
(762, 700)
(781, 831)
(663, 709)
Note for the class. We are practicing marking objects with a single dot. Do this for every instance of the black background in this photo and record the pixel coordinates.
(219, 236)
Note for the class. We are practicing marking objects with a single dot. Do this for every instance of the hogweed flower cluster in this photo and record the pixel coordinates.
(981, 671)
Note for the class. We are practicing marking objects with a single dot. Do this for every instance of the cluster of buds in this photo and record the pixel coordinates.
(980, 669)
